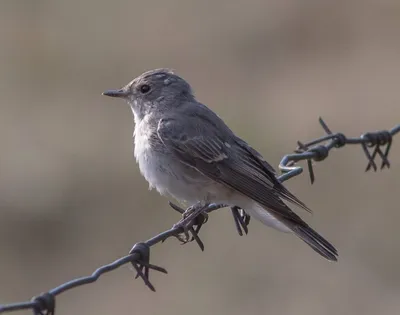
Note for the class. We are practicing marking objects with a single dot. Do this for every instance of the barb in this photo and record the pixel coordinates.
(379, 143)
(139, 258)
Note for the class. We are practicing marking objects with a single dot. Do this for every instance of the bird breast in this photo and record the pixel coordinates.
(150, 163)
(165, 172)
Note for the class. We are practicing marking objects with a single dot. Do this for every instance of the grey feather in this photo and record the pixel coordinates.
(185, 150)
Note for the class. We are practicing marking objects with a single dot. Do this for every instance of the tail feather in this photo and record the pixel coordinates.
(298, 227)
(316, 241)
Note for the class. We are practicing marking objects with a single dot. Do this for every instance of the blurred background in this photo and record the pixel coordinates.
(72, 198)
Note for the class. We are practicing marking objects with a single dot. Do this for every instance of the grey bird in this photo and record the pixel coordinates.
(184, 150)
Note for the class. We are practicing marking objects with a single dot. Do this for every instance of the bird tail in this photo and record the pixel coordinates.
(298, 227)
(315, 241)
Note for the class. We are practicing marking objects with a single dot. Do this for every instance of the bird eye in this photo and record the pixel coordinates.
(144, 88)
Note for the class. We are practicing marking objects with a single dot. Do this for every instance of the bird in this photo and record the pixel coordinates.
(186, 151)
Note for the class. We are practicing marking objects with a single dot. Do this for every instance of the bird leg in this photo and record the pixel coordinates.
(191, 213)
(193, 228)
(189, 217)
(242, 220)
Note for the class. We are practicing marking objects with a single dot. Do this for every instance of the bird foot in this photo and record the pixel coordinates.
(190, 214)
(242, 220)
(192, 220)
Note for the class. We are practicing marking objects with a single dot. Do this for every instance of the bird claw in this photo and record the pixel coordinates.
(142, 264)
(183, 237)
(192, 221)
(242, 220)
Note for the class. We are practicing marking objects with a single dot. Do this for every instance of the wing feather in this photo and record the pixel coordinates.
(232, 165)
(212, 149)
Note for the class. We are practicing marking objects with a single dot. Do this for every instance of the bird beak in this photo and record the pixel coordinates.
(122, 93)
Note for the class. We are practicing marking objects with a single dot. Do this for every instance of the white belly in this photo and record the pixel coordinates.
(168, 175)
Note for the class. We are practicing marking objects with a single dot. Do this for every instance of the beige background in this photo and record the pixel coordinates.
(71, 196)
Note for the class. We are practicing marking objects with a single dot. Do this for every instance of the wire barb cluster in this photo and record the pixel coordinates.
(373, 144)
(379, 141)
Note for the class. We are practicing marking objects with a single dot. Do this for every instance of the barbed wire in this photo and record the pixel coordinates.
(309, 151)
(374, 144)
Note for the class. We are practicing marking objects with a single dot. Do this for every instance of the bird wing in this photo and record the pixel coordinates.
(221, 157)
(265, 168)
